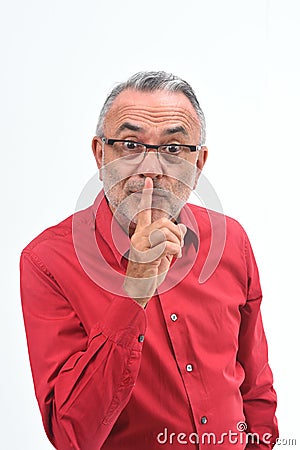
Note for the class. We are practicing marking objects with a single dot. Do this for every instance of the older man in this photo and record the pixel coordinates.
(128, 349)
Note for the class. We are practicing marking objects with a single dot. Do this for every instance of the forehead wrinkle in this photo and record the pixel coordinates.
(169, 110)
(146, 117)
(173, 118)
(165, 124)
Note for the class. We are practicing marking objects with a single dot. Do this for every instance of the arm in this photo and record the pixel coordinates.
(257, 389)
(82, 382)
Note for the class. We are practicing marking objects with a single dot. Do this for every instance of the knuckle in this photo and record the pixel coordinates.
(165, 231)
(164, 221)
(172, 247)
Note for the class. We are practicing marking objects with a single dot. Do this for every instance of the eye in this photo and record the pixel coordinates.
(130, 145)
(172, 149)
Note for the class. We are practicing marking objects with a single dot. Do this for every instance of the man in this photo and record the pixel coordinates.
(129, 347)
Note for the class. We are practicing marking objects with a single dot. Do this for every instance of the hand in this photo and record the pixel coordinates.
(153, 246)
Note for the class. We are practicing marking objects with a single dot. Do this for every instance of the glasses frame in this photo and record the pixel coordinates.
(193, 148)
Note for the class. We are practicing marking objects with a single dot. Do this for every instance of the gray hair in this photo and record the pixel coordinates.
(149, 82)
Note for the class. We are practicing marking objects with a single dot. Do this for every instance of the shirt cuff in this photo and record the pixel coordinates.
(123, 323)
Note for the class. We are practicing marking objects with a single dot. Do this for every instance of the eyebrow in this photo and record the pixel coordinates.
(129, 126)
(174, 130)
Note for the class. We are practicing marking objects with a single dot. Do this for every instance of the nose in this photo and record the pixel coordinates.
(151, 166)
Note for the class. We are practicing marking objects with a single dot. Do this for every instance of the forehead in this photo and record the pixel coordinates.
(158, 109)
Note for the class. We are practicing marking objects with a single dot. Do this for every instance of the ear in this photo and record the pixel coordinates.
(203, 153)
(97, 150)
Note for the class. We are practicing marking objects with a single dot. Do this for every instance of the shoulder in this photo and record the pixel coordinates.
(210, 220)
(57, 235)
(58, 231)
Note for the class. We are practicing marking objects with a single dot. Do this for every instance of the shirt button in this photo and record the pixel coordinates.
(189, 368)
(204, 420)
(141, 338)
(174, 317)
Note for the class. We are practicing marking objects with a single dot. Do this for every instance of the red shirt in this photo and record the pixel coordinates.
(187, 370)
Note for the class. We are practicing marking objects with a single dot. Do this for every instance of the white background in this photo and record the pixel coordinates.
(59, 59)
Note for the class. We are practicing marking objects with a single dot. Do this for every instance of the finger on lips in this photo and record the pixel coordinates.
(144, 214)
(162, 230)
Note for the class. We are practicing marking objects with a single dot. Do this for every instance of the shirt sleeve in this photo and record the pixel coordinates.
(259, 397)
(82, 382)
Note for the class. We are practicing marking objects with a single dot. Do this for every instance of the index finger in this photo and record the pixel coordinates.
(144, 210)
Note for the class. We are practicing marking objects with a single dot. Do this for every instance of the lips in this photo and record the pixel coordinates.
(158, 196)
(157, 192)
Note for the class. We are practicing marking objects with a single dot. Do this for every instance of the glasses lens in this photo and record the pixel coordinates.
(174, 153)
(129, 147)
(130, 150)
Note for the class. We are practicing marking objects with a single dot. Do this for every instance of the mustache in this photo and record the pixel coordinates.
(136, 186)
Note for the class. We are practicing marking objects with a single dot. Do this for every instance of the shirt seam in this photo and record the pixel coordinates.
(47, 235)
(36, 260)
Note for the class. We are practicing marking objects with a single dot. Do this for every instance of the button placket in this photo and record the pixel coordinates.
(184, 355)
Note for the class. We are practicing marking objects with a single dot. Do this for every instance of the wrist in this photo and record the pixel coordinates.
(140, 289)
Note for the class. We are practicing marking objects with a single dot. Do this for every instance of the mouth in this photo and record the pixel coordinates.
(157, 192)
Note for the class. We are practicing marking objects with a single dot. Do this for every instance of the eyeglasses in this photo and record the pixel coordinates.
(136, 149)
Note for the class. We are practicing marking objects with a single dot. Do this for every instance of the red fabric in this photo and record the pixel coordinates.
(99, 385)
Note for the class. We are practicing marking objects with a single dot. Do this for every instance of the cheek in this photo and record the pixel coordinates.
(182, 180)
(180, 190)
(183, 173)
(113, 184)
(118, 170)
(116, 188)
